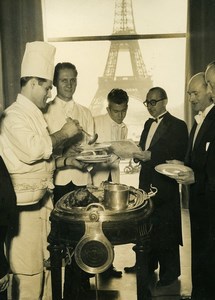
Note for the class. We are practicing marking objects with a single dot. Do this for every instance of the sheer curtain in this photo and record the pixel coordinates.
(20, 22)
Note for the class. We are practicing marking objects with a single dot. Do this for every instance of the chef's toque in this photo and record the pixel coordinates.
(38, 60)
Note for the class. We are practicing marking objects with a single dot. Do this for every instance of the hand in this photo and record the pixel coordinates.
(187, 177)
(74, 163)
(73, 150)
(143, 156)
(71, 128)
(113, 158)
(4, 282)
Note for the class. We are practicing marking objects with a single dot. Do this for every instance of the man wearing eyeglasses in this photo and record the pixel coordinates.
(164, 137)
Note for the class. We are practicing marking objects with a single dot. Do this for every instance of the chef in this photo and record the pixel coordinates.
(26, 148)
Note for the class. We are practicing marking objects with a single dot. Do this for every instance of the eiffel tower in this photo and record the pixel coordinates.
(136, 85)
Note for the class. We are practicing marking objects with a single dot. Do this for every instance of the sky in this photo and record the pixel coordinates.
(164, 58)
(96, 17)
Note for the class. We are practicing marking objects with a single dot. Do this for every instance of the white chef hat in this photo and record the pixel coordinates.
(38, 60)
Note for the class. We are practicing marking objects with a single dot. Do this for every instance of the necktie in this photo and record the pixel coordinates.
(200, 117)
(156, 119)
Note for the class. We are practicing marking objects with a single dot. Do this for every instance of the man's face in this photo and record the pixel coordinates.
(117, 112)
(198, 96)
(66, 84)
(160, 104)
(210, 80)
(41, 92)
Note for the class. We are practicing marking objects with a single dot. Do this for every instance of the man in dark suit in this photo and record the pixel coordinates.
(164, 137)
(201, 158)
(7, 219)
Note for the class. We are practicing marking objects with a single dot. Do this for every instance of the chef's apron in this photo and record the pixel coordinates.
(28, 248)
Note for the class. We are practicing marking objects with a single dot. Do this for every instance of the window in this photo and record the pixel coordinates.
(131, 44)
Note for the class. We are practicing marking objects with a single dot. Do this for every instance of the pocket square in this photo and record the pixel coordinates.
(206, 146)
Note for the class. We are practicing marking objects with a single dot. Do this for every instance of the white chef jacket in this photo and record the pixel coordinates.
(108, 130)
(26, 148)
(55, 117)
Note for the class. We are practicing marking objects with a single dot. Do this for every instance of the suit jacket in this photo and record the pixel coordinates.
(7, 196)
(169, 142)
(7, 212)
(201, 158)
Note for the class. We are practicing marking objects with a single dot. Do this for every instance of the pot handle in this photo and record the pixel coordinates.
(132, 189)
(153, 191)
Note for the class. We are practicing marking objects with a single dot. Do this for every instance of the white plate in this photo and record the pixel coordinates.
(93, 158)
(97, 146)
(171, 169)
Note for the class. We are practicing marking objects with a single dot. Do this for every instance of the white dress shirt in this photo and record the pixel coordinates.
(152, 130)
(108, 131)
(200, 119)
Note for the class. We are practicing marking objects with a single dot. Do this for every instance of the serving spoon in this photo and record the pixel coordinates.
(91, 137)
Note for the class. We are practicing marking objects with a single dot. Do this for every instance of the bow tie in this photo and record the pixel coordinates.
(200, 117)
(156, 119)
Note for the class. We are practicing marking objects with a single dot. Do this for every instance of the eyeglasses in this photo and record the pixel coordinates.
(152, 102)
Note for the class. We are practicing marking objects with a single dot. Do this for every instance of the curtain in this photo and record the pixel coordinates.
(201, 31)
(199, 53)
(20, 22)
(200, 41)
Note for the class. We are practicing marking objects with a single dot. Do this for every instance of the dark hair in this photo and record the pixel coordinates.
(161, 91)
(118, 96)
(24, 80)
(62, 66)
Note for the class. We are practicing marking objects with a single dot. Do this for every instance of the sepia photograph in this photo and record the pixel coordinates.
(107, 150)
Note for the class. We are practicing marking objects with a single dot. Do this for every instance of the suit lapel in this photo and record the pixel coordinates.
(208, 121)
(158, 133)
(190, 143)
(161, 130)
(145, 133)
(204, 130)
